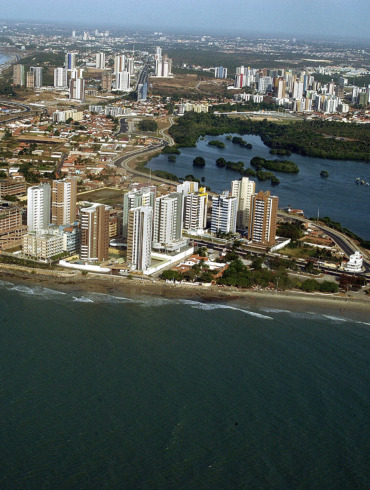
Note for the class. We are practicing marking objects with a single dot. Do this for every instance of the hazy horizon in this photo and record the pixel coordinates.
(320, 19)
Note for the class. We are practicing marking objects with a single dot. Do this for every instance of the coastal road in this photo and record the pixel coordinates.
(123, 162)
(344, 242)
(166, 137)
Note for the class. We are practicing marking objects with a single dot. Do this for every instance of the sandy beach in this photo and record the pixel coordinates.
(356, 305)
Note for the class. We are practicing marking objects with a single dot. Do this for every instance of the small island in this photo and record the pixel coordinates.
(237, 166)
(217, 143)
(237, 140)
(324, 173)
(172, 158)
(280, 152)
(278, 165)
(199, 162)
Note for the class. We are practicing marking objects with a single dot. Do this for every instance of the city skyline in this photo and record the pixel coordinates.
(331, 19)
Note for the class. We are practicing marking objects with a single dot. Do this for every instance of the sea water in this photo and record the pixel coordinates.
(103, 391)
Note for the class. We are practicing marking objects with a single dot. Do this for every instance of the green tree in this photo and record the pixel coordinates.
(199, 162)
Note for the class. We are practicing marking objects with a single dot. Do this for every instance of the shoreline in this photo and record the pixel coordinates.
(11, 58)
(342, 305)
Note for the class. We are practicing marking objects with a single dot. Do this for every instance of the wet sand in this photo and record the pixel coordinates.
(355, 305)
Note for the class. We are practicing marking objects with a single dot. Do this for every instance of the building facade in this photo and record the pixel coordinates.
(224, 212)
(263, 217)
(19, 75)
(63, 201)
(195, 212)
(12, 230)
(167, 225)
(95, 232)
(139, 239)
(38, 207)
(243, 190)
(134, 199)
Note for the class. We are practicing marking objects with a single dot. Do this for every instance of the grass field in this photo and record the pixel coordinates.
(103, 196)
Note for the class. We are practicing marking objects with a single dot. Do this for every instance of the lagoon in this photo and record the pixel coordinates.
(337, 196)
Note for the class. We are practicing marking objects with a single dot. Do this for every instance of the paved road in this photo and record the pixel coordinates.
(166, 137)
(123, 162)
(25, 109)
(344, 242)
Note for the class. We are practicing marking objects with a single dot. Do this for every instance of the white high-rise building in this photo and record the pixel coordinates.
(119, 63)
(298, 90)
(158, 53)
(224, 212)
(163, 67)
(60, 78)
(37, 73)
(123, 81)
(187, 186)
(134, 199)
(100, 61)
(243, 190)
(38, 207)
(167, 226)
(77, 89)
(139, 238)
(130, 66)
(195, 212)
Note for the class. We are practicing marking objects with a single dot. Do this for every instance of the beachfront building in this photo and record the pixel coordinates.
(355, 262)
(134, 199)
(224, 211)
(263, 217)
(195, 212)
(63, 201)
(95, 232)
(38, 207)
(11, 228)
(167, 225)
(243, 190)
(42, 245)
(139, 239)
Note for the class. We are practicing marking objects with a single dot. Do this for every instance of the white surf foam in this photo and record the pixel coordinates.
(107, 298)
(202, 306)
(37, 291)
(82, 299)
(336, 318)
(6, 283)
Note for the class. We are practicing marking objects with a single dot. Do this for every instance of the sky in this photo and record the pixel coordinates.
(317, 19)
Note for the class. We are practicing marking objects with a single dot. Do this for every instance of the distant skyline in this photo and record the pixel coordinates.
(318, 19)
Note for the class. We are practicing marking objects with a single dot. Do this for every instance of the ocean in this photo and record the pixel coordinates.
(337, 196)
(102, 391)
